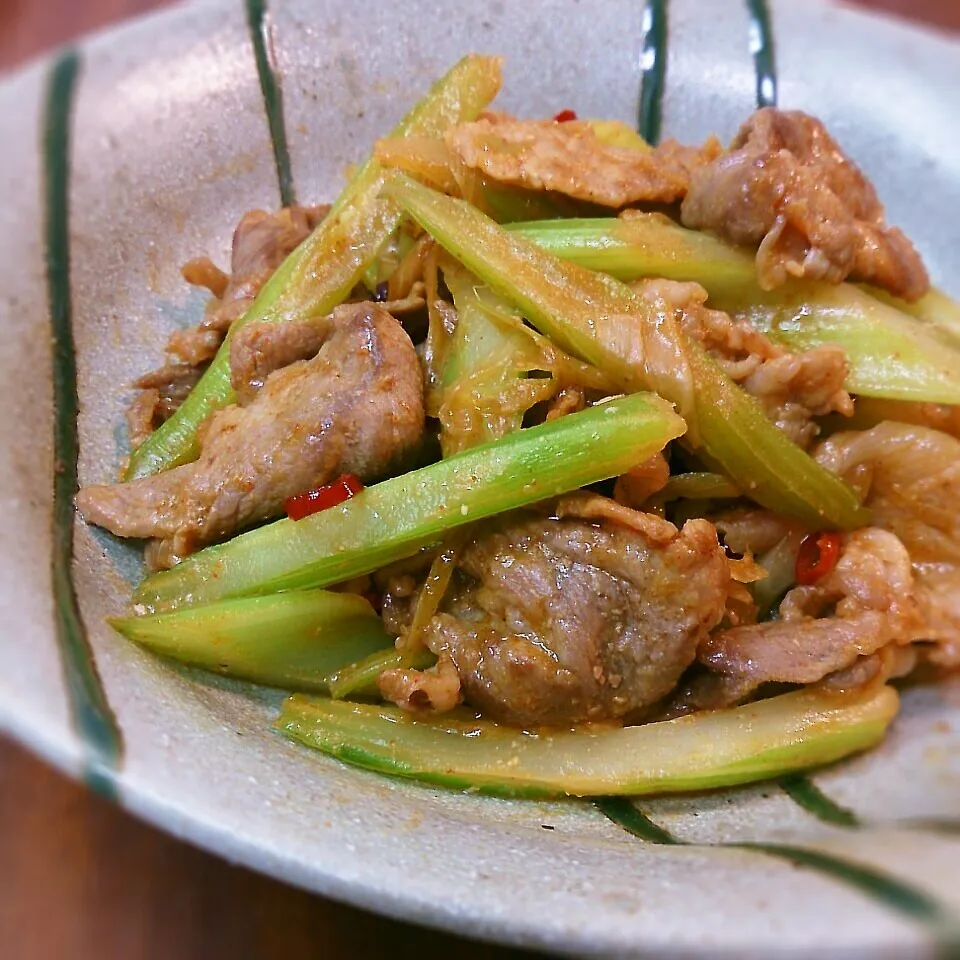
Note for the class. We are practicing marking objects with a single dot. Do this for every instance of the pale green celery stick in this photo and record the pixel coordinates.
(291, 640)
(392, 252)
(397, 517)
(322, 271)
(644, 245)
(704, 750)
(359, 679)
(698, 486)
(935, 307)
(891, 354)
(896, 350)
(508, 204)
(869, 411)
(741, 440)
(601, 321)
(780, 562)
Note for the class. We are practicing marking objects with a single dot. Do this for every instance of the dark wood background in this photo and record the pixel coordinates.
(80, 878)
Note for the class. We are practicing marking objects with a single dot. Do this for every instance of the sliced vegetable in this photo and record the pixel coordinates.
(397, 517)
(934, 307)
(704, 750)
(891, 354)
(598, 319)
(869, 411)
(320, 273)
(780, 563)
(495, 367)
(818, 555)
(432, 593)
(385, 264)
(359, 679)
(761, 460)
(323, 498)
(485, 386)
(698, 486)
(640, 245)
(290, 640)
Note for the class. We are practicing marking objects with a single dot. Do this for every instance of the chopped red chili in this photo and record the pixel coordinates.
(817, 556)
(323, 498)
(565, 116)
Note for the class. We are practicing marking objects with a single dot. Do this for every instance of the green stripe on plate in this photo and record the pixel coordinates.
(878, 885)
(627, 815)
(272, 96)
(762, 48)
(653, 69)
(92, 715)
(803, 791)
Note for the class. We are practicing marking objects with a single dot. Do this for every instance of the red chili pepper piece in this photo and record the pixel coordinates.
(817, 556)
(565, 116)
(323, 498)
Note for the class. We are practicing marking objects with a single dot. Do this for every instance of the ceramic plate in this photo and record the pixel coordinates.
(141, 149)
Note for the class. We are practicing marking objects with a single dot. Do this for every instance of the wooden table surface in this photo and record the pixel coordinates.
(81, 878)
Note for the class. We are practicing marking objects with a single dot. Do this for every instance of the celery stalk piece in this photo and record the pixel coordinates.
(934, 307)
(598, 319)
(698, 486)
(891, 354)
(895, 349)
(644, 245)
(780, 562)
(359, 679)
(396, 518)
(290, 640)
(761, 460)
(719, 748)
(322, 271)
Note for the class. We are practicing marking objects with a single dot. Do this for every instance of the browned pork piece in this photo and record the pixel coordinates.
(787, 187)
(562, 621)
(909, 477)
(793, 387)
(354, 407)
(865, 603)
(261, 243)
(570, 159)
(160, 393)
(258, 349)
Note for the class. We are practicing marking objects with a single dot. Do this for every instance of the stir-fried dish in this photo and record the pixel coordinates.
(549, 461)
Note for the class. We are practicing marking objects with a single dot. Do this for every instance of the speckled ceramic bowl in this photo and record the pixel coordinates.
(140, 150)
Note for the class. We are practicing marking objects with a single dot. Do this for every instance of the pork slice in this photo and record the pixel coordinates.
(793, 387)
(865, 603)
(570, 159)
(158, 396)
(355, 407)
(909, 477)
(258, 349)
(788, 189)
(562, 621)
(261, 242)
